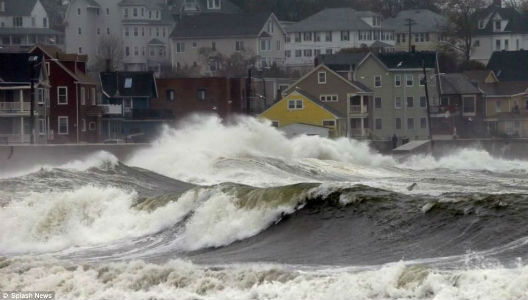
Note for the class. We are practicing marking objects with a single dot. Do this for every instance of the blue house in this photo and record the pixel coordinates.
(126, 98)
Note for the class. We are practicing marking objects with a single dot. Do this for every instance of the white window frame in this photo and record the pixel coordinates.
(411, 77)
(376, 77)
(295, 102)
(319, 81)
(396, 80)
(396, 106)
(329, 98)
(83, 96)
(407, 102)
(380, 123)
(422, 119)
(42, 126)
(474, 112)
(59, 88)
(275, 123)
(380, 101)
(413, 125)
(59, 127)
(328, 120)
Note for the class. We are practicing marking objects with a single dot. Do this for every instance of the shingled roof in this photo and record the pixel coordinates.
(18, 7)
(426, 21)
(226, 7)
(332, 19)
(408, 60)
(509, 65)
(341, 61)
(142, 84)
(457, 84)
(220, 25)
(517, 22)
(16, 68)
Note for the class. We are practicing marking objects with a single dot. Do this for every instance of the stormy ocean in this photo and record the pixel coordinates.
(216, 211)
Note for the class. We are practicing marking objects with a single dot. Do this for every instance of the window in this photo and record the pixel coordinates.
(298, 37)
(422, 80)
(497, 44)
(481, 24)
(128, 83)
(265, 45)
(397, 102)
(91, 126)
(127, 51)
(329, 51)
(278, 45)
(135, 12)
(291, 104)
(469, 104)
(78, 11)
(307, 36)
(307, 52)
(317, 52)
(79, 30)
(108, 11)
(295, 105)
(321, 78)
(410, 123)
(498, 107)
(136, 51)
(83, 125)
(299, 104)
(275, 124)
(506, 44)
(45, 22)
(410, 102)
(108, 30)
(33, 22)
(398, 123)
(201, 94)
(377, 81)
(62, 95)
(397, 80)
(423, 123)
(213, 4)
(329, 123)
(83, 96)
(329, 98)
(170, 95)
(80, 50)
(298, 53)
(17, 21)
(345, 35)
(378, 124)
(409, 80)
(42, 127)
(477, 43)
(498, 25)
(287, 53)
(317, 37)
(328, 36)
(239, 45)
(377, 102)
(136, 31)
(423, 101)
(180, 47)
(40, 96)
(63, 125)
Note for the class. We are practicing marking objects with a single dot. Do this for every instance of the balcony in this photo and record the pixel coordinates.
(442, 111)
(112, 109)
(15, 108)
(358, 109)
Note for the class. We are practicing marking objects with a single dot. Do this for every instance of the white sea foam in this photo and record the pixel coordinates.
(182, 280)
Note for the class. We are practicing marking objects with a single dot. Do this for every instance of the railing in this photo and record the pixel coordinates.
(357, 132)
(15, 107)
(112, 109)
(358, 109)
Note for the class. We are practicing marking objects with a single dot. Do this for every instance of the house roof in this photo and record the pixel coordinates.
(509, 65)
(426, 21)
(331, 19)
(142, 84)
(479, 75)
(16, 68)
(341, 61)
(408, 60)
(517, 22)
(155, 42)
(18, 7)
(200, 6)
(318, 102)
(508, 88)
(165, 17)
(457, 84)
(220, 25)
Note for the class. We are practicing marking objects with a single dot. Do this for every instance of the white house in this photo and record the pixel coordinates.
(499, 29)
(141, 27)
(331, 30)
(24, 23)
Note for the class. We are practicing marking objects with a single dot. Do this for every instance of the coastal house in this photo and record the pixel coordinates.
(17, 71)
(126, 102)
(207, 42)
(509, 65)
(207, 95)
(461, 111)
(23, 23)
(182, 8)
(134, 34)
(506, 105)
(427, 30)
(74, 116)
(399, 101)
(351, 99)
(331, 30)
(498, 28)
(301, 113)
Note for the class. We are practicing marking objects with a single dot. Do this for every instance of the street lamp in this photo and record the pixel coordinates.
(32, 63)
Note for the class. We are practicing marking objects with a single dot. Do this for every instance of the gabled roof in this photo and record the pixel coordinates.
(332, 19)
(510, 65)
(481, 75)
(517, 22)
(200, 6)
(142, 84)
(215, 25)
(16, 68)
(426, 21)
(457, 84)
(18, 7)
(361, 88)
(155, 42)
(406, 60)
(508, 88)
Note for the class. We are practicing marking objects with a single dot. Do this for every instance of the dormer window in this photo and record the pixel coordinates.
(481, 24)
(213, 4)
(498, 26)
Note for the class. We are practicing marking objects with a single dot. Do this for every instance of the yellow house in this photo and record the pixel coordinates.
(298, 107)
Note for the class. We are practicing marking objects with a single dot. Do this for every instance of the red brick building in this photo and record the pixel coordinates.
(74, 115)
(185, 96)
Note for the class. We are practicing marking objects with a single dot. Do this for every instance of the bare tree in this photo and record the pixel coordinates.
(462, 25)
(236, 64)
(109, 51)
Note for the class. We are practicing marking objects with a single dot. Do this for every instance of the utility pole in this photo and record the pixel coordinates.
(248, 91)
(410, 23)
(427, 104)
(32, 60)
